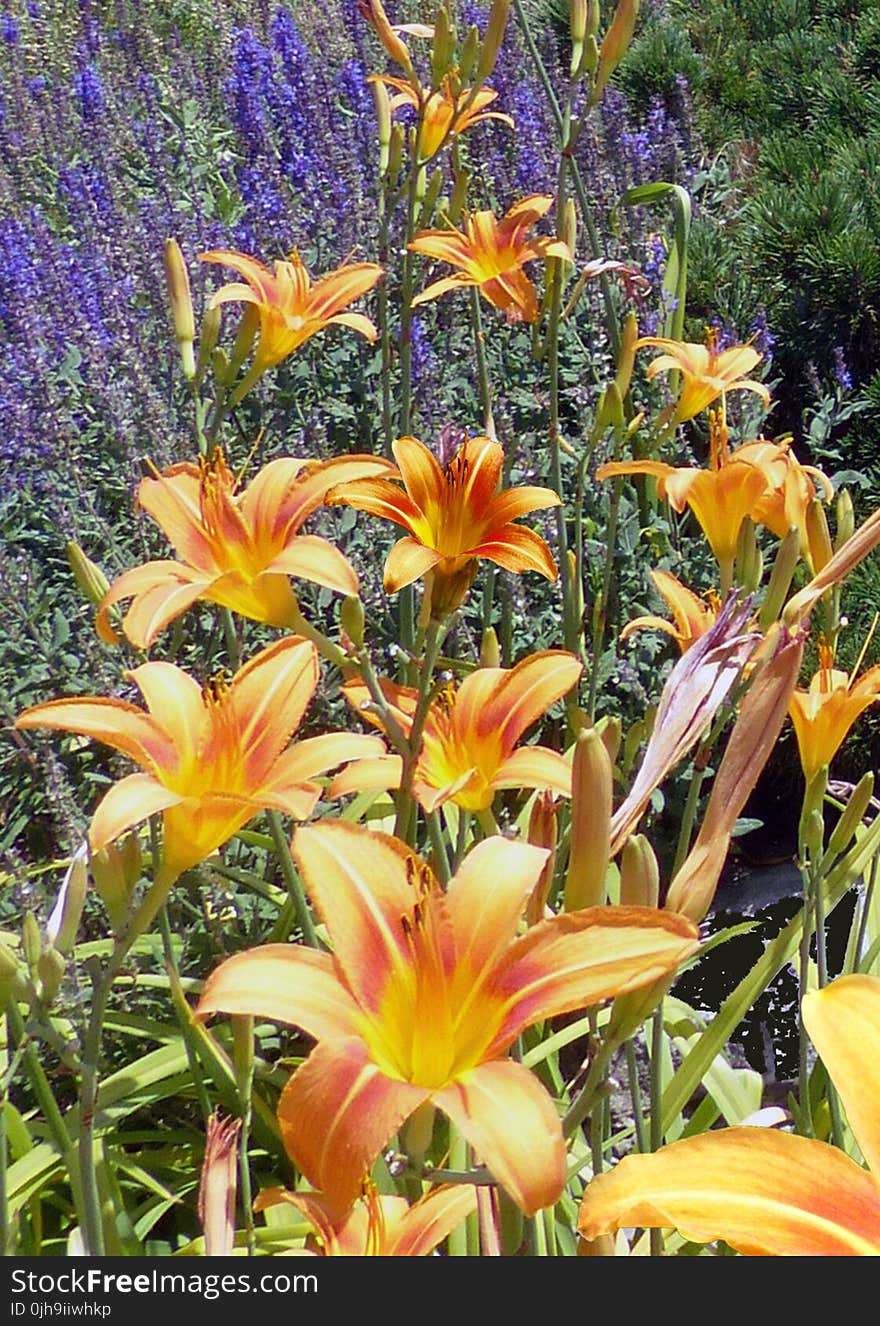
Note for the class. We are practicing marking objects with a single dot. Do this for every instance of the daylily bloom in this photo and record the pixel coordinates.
(218, 1186)
(444, 113)
(424, 993)
(767, 1193)
(695, 689)
(757, 727)
(236, 549)
(491, 255)
(823, 714)
(720, 497)
(213, 756)
(469, 744)
(707, 373)
(453, 516)
(378, 1225)
(291, 309)
(693, 615)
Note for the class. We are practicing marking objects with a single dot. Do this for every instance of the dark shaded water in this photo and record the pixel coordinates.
(770, 896)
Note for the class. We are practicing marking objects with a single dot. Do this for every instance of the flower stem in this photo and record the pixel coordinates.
(291, 878)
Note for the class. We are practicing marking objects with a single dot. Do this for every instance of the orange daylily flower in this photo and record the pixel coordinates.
(453, 517)
(291, 309)
(721, 496)
(444, 113)
(693, 615)
(707, 373)
(766, 1193)
(469, 743)
(378, 1225)
(236, 549)
(491, 255)
(422, 996)
(213, 756)
(823, 714)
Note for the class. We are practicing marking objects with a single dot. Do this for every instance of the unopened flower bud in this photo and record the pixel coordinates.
(11, 973)
(180, 296)
(375, 15)
(351, 619)
(397, 149)
(577, 26)
(627, 353)
(611, 732)
(116, 870)
(749, 561)
(443, 47)
(490, 653)
(90, 579)
(577, 589)
(50, 970)
(850, 819)
(639, 873)
(459, 195)
(784, 566)
(591, 800)
(493, 39)
(31, 941)
(63, 924)
(245, 336)
(818, 536)
(470, 49)
(846, 519)
(209, 335)
(432, 193)
(615, 44)
(543, 832)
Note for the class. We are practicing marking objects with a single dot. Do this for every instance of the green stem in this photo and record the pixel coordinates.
(291, 878)
(656, 1130)
(635, 1091)
(485, 387)
(243, 1060)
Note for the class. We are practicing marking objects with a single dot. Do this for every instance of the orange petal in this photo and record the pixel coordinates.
(155, 608)
(127, 803)
(172, 499)
(420, 472)
(377, 775)
(534, 766)
(844, 1025)
(316, 755)
(767, 1194)
(579, 958)
(310, 557)
(486, 900)
(519, 550)
(196, 826)
(515, 502)
(406, 562)
(338, 1112)
(526, 693)
(382, 498)
(512, 1124)
(428, 1221)
(359, 882)
(174, 700)
(116, 723)
(442, 287)
(285, 983)
(270, 695)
